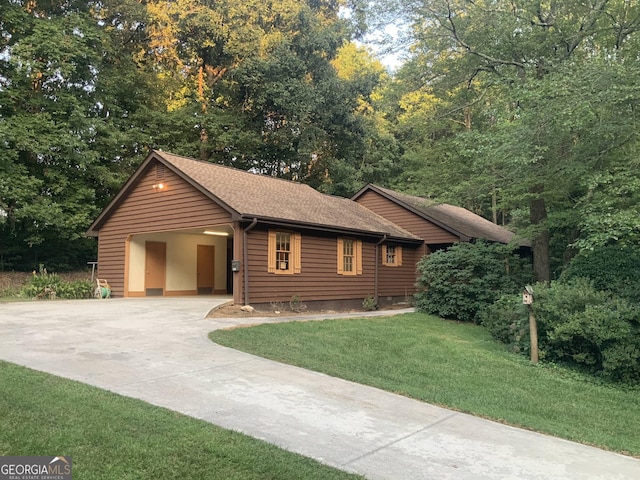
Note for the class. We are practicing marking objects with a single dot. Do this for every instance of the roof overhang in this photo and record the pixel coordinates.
(291, 224)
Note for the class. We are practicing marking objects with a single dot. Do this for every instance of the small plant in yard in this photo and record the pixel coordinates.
(277, 307)
(8, 289)
(296, 304)
(369, 303)
(507, 320)
(48, 286)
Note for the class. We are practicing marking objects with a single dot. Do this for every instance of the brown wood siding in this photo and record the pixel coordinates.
(318, 279)
(399, 281)
(145, 210)
(429, 232)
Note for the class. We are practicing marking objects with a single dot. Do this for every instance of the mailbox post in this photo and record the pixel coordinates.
(527, 299)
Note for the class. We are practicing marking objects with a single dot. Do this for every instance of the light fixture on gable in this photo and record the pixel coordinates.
(159, 186)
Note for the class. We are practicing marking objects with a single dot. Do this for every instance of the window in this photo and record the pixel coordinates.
(284, 252)
(349, 256)
(391, 255)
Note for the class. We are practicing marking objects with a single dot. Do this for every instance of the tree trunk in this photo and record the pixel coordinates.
(494, 206)
(538, 216)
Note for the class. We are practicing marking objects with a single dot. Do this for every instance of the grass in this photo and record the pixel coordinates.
(114, 437)
(454, 365)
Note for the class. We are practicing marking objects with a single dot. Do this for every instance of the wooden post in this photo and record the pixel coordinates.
(527, 299)
(533, 334)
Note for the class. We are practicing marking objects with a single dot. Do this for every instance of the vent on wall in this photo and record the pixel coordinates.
(161, 170)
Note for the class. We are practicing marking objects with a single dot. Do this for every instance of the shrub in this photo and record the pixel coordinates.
(369, 303)
(466, 278)
(577, 324)
(507, 320)
(590, 328)
(612, 268)
(296, 304)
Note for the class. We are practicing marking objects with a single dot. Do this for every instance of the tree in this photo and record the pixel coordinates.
(65, 125)
(537, 142)
(86, 88)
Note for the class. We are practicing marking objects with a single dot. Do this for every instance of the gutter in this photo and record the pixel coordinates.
(297, 225)
(245, 259)
(375, 277)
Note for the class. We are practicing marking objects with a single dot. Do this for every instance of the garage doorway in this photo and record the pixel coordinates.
(155, 264)
(206, 269)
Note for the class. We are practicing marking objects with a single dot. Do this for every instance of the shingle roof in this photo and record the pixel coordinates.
(457, 219)
(251, 195)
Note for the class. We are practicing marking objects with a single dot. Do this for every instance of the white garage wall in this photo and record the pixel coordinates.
(181, 273)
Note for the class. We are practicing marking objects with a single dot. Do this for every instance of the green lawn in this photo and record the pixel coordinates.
(113, 437)
(455, 365)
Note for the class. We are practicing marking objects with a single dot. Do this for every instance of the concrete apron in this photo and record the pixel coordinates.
(157, 350)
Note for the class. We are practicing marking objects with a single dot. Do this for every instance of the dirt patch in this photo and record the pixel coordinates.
(235, 311)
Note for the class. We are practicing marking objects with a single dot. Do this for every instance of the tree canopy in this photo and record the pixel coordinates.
(525, 112)
(527, 108)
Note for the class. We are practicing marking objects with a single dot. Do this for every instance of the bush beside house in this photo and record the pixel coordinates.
(589, 318)
(611, 268)
(463, 280)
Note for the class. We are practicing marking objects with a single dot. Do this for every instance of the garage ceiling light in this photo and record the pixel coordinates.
(220, 234)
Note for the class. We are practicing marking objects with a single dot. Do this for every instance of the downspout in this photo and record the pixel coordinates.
(245, 260)
(375, 285)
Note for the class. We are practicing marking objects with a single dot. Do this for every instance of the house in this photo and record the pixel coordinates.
(438, 224)
(180, 226)
(183, 227)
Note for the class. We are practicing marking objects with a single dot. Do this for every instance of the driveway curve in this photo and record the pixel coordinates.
(157, 350)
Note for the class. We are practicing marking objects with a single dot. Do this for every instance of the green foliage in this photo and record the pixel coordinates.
(296, 304)
(466, 278)
(507, 320)
(86, 89)
(521, 101)
(612, 268)
(579, 324)
(49, 286)
(62, 124)
(369, 303)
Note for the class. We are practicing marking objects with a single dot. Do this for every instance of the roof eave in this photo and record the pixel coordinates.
(327, 228)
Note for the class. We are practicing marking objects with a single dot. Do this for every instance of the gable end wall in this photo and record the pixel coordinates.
(145, 210)
(429, 232)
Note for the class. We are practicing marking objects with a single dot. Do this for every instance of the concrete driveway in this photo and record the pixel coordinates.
(157, 350)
